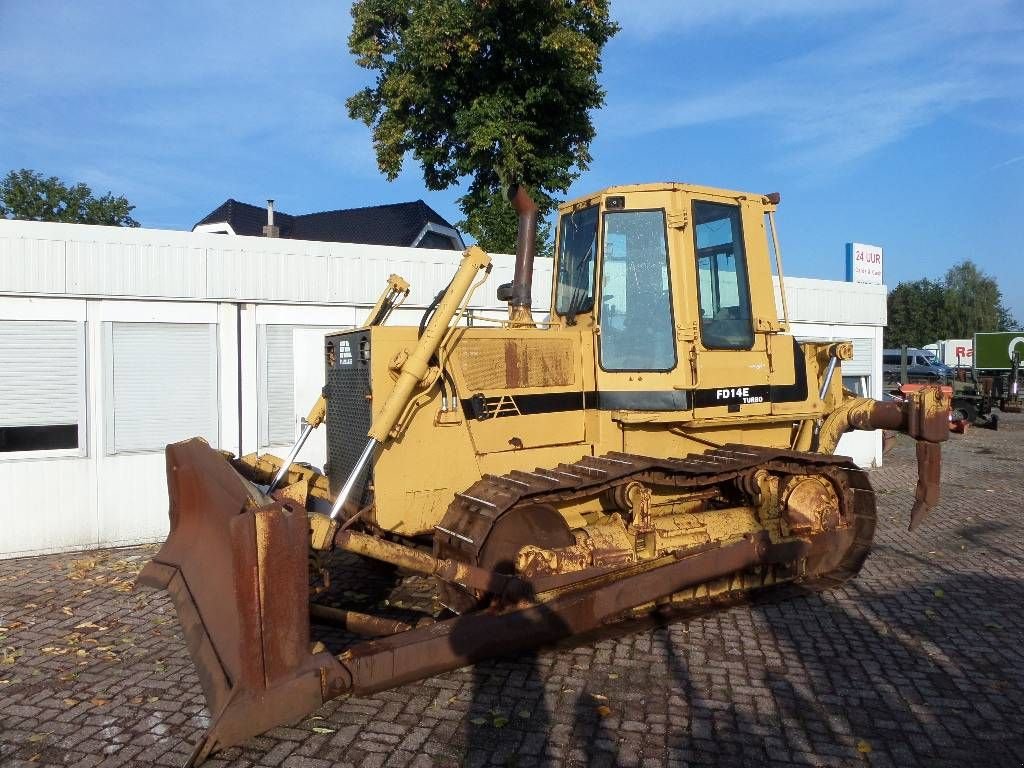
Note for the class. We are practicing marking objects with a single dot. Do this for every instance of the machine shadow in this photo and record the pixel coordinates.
(862, 676)
(509, 720)
(899, 672)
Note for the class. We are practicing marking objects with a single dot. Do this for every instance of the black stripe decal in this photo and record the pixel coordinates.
(482, 407)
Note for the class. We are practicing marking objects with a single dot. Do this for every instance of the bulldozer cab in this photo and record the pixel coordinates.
(676, 282)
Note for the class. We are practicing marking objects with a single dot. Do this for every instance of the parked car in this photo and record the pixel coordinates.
(922, 365)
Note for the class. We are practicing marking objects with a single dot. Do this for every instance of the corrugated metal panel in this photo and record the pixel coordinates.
(162, 385)
(136, 269)
(863, 358)
(834, 302)
(41, 367)
(31, 265)
(279, 373)
(269, 276)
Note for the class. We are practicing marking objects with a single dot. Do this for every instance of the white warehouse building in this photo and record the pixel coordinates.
(115, 342)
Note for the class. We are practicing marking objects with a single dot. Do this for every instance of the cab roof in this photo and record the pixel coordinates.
(658, 186)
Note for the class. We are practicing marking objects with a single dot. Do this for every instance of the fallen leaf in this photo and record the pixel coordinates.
(37, 737)
(499, 721)
(863, 747)
(67, 611)
(604, 711)
(478, 720)
(523, 713)
(598, 697)
(70, 702)
(321, 729)
(99, 702)
(89, 625)
(612, 676)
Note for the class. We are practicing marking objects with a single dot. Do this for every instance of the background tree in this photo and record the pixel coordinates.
(499, 91)
(28, 195)
(915, 314)
(966, 301)
(974, 302)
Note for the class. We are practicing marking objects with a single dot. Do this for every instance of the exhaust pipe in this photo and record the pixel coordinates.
(526, 250)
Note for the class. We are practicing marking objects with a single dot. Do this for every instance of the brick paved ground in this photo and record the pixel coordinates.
(919, 662)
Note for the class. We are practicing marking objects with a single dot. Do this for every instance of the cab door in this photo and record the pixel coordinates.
(637, 354)
(731, 353)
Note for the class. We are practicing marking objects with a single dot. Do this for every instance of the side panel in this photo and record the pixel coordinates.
(519, 389)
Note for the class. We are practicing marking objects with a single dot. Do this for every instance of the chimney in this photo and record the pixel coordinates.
(270, 230)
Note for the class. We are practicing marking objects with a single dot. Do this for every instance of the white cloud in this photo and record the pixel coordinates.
(859, 90)
(61, 46)
(1011, 161)
(655, 18)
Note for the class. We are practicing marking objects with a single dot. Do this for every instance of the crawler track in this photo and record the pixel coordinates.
(473, 514)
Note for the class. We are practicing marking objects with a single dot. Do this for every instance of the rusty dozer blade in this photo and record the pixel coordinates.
(235, 565)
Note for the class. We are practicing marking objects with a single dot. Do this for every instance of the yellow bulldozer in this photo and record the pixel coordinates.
(659, 442)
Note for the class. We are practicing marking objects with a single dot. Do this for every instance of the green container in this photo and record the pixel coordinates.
(992, 350)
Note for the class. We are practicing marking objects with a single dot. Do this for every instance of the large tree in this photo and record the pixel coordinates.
(499, 91)
(966, 301)
(29, 195)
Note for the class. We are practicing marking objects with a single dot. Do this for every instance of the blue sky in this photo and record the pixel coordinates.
(898, 123)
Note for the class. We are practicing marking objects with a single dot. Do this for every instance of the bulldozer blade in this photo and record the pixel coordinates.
(235, 566)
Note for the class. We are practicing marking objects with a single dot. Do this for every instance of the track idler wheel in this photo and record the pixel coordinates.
(537, 524)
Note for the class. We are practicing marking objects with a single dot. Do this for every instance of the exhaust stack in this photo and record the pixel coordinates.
(521, 298)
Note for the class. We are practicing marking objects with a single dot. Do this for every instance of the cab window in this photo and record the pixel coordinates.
(725, 317)
(636, 303)
(577, 254)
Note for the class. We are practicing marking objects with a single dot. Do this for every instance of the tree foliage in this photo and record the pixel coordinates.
(28, 195)
(499, 91)
(966, 301)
